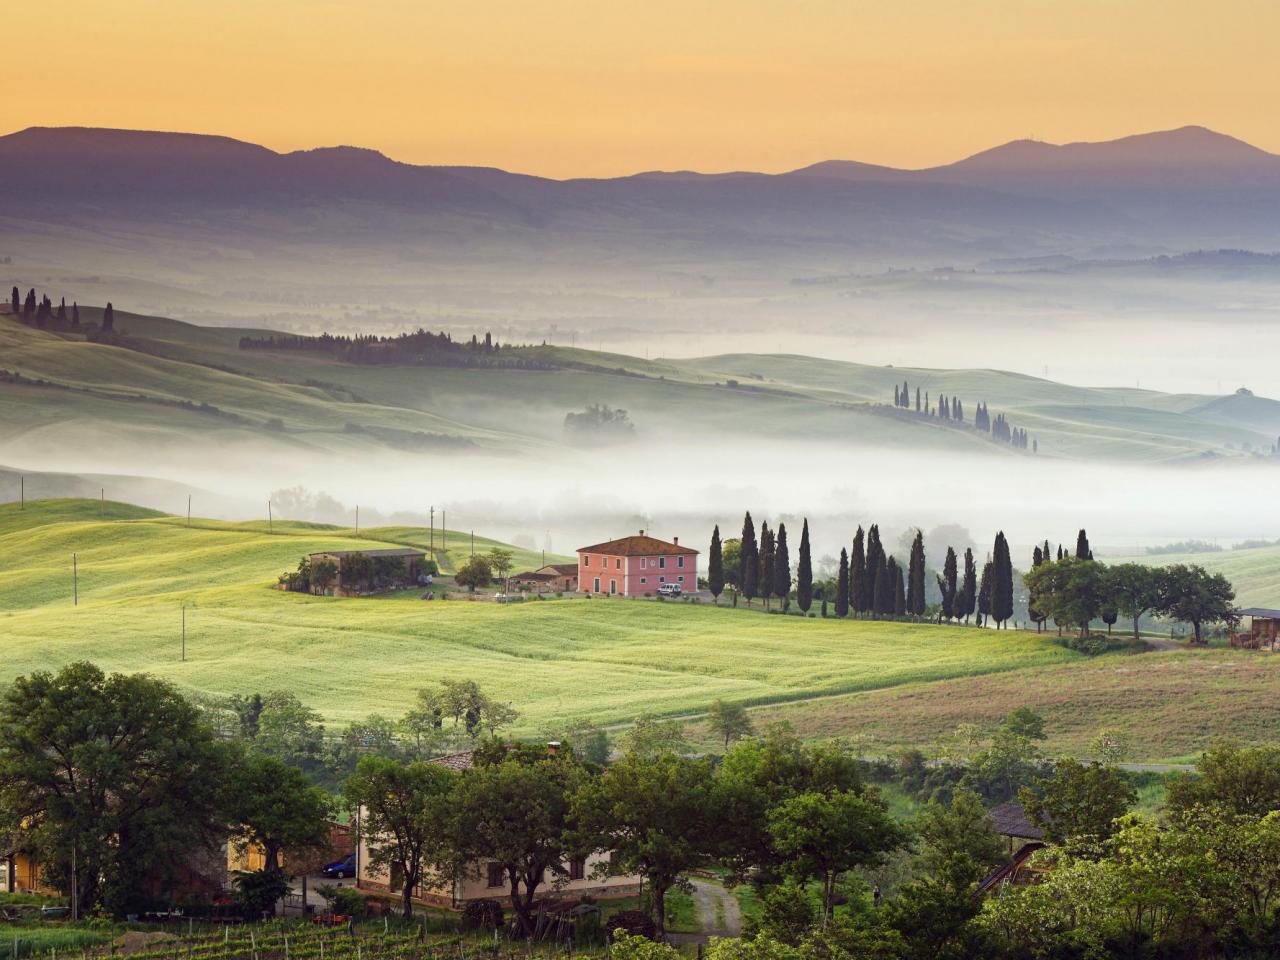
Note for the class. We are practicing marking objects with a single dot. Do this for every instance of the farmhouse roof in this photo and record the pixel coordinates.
(1010, 820)
(390, 552)
(455, 761)
(637, 546)
(560, 569)
(534, 576)
(1261, 612)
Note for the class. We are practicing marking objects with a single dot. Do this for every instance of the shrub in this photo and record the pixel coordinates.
(482, 915)
(634, 923)
(633, 947)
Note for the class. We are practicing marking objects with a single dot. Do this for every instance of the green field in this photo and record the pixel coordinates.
(556, 660)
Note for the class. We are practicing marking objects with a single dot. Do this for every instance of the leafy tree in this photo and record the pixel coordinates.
(804, 572)
(403, 808)
(518, 815)
(729, 721)
(500, 560)
(590, 741)
(1069, 590)
(1026, 723)
(842, 585)
(275, 807)
(957, 845)
(1136, 589)
(112, 773)
(822, 836)
(859, 600)
(915, 578)
(289, 730)
(947, 585)
(259, 891)
(715, 566)
(1078, 802)
(650, 737)
(748, 560)
(1239, 780)
(660, 815)
(1193, 595)
(966, 599)
(424, 722)
(781, 565)
(476, 572)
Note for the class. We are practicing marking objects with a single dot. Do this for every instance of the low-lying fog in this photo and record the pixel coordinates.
(565, 498)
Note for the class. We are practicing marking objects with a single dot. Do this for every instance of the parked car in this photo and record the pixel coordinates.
(346, 867)
(670, 590)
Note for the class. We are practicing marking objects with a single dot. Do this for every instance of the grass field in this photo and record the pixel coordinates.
(1255, 573)
(555, 660)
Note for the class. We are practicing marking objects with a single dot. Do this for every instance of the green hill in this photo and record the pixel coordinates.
(556, 660)
(184, 386)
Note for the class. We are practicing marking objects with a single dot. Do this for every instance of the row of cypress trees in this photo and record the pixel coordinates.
(41, 311)
(953, 409)
(870, 582)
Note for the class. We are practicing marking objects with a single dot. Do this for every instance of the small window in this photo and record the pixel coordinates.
(662, 579)
(662, 563)
(617, 564)
(597, 586)
(495, 877)
(679, 561)
(586, 559)
(578, 868)
(613, 586)
(643, 580)
(681, 579)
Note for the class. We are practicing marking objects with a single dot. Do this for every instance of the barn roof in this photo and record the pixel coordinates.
(562, 569)
(1260, 612)
(534, 576)
(637, 546)
(389, 552)
(1010, 820)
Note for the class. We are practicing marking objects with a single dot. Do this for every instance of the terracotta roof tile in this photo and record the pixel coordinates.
(636, 546)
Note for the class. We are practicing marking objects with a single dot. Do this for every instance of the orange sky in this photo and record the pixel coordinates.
(602, 87)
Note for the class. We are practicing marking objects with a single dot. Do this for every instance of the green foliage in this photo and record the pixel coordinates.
(476, 572)
(628, 946)
(1189, 593)
(956, 844)
(787, 912)
(728, 721)
(715, 565)
(1241, 781)
(258, 892)
(1078, 803)
(648, 737)
(275, 806)
(347, 901)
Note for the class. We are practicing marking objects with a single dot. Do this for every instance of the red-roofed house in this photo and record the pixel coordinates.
(635, 566)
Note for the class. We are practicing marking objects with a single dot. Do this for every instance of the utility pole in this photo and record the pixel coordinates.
(102, 501)
(75, 582)
(268, 517)
(22, 493)
(188, 509)
(357, 519)
(433, 530)
(444, 530)
(473, 543)
(184, 633)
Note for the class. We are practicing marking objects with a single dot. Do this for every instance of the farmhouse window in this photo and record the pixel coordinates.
(617, 564)
(577, 868)
(679, 561)
(662, 563)
(644, 580)
(681, 579)
(613, 586)
(495, 877)
(662, 579)
(586, 559)
(596, 589)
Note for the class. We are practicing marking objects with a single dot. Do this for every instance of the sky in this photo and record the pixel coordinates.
(603, 87)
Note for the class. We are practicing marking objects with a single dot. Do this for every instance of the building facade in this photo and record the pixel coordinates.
(636, 566)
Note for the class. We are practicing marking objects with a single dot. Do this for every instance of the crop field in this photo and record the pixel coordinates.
(1170, 705)
(555, 660)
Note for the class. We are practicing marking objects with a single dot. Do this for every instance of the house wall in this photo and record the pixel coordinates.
(636, 576)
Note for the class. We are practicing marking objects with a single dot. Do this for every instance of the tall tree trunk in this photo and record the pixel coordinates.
(406, 894)
(660, 907)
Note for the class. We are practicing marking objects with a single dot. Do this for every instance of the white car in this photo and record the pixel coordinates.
(670, 590)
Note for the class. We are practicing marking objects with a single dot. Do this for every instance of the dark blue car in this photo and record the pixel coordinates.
(346, 867)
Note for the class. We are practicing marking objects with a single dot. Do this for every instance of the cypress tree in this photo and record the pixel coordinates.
(108, 319)
(897, 397)
(1002, 584)
(75, 314)
(715, 566)
(875, 560)
(899, 589)
(886, 580)
(29, 307)
(842, 585)
(1038, 557)
(915, 583)
(748, 560)
(859, 599)
(804, 572)
(917, 399)
(764, 574)
(947, 585)
(984, 592)
(967, 597)
(782, 567)
(1082, 546)
(62, 311)
(16, 300)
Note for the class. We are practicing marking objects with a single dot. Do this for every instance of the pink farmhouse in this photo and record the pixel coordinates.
(635, 566)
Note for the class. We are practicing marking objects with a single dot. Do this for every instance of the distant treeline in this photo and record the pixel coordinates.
(951, 409)
(422, 347)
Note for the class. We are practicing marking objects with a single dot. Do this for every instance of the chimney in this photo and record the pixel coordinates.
(553, 747)
(676, 541)
(642, 533)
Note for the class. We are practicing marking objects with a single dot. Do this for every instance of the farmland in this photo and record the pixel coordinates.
(556, 660)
